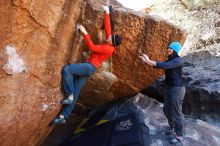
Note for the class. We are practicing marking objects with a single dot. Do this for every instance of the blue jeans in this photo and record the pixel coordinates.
(172, 108)
(73, 78)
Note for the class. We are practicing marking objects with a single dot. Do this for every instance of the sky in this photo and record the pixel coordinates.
(137, 4)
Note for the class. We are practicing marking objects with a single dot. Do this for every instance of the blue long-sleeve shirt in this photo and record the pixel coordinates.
(173, 71)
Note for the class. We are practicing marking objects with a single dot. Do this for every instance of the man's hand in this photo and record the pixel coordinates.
(82, 29)
(106, 9)
(144, 58)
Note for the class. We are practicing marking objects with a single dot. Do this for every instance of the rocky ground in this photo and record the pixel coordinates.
(197, 132)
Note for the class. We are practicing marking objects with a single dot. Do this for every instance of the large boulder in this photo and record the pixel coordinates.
(39, 37)
(35, 39)
(202, 74)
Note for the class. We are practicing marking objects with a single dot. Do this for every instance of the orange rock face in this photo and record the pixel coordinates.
(38, 37)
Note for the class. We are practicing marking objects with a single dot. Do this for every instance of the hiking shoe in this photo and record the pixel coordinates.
(67, 101)
(176, 139)
(58, 120)
(170, 131)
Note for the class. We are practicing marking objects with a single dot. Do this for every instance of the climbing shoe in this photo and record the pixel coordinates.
(67, 101)
(176, 140)
(58, 120)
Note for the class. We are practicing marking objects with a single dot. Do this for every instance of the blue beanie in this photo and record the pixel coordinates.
(176, 46)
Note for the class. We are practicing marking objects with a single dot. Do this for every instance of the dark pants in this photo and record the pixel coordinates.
(73, 78)
(173, 102)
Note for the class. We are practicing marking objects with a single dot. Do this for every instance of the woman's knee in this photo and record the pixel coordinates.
(90, 69)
